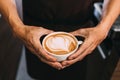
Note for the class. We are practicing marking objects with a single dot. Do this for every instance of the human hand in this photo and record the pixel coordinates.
(30, 35)
(93, 37)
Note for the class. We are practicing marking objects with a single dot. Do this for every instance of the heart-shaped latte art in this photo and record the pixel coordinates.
(60, 44)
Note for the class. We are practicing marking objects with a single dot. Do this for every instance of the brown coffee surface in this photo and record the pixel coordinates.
(60, 44)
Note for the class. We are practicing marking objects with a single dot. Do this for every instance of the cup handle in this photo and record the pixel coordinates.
(80, 42)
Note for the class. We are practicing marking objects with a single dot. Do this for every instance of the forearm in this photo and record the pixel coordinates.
(111, 10)
(9, 11)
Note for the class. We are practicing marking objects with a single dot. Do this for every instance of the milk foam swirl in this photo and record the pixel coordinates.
(60, 44)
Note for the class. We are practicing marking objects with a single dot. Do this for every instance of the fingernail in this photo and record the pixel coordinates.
(63, 67)
(64, 64)
(59, 68)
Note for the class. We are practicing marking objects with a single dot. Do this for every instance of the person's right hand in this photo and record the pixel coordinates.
(30, 35)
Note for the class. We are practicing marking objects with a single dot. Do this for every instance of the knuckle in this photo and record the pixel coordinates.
(74, 56)
(48, 58)
(37, 50)
(90, 51)
(68, 63)
(54, 65)
(41, 59)
(80, 59)
(83, 47)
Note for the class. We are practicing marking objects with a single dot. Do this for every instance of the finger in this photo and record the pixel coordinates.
(46, 31)
(55, 65)
(37, 47)
(70, 62)
(81, 32)
(76, 34)
(80, 57)
(87, 52)
(67, 63)
(82, 48)
(43, 53)
(31, 49)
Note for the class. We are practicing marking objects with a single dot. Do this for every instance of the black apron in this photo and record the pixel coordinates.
(58, 15)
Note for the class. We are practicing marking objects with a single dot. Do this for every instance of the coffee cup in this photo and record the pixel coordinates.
(60, 45)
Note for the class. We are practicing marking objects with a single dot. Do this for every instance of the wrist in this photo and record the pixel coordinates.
(103, 29)
(106, 23)
(16, 24)
(14, 21)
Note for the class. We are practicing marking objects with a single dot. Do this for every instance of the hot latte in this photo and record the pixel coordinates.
(60, 43)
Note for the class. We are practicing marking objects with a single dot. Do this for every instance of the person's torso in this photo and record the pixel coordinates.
(58, 12)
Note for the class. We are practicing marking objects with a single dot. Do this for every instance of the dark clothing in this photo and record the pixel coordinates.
(58, 15)
(67, 15)
(42, 71)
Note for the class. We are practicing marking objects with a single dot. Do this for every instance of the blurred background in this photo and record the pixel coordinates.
(12, 53)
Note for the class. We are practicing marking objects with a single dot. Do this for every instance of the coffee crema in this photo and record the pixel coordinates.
(60, 44)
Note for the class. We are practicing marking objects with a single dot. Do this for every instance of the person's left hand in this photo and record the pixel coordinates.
(93, 37)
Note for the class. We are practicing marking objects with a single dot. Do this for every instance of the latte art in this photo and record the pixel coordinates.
(60, 44)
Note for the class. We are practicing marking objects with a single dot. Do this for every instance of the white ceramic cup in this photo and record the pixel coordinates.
(62, 56)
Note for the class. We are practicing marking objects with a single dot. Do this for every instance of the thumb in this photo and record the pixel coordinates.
(80, 32)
